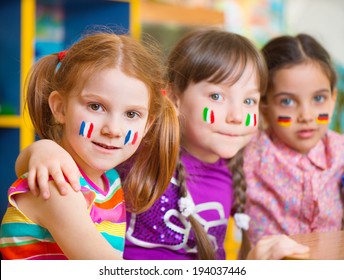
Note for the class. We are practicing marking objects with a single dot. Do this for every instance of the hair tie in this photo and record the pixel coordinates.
(163, 92)
(186, 206)
(242, 220)
(61, 55)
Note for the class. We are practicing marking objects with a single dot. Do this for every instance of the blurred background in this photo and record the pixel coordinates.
(30, 29)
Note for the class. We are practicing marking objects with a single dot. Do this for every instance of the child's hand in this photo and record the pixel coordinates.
(276, 247)
(45, 158)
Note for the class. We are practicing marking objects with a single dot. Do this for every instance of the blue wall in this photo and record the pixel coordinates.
(9, 92)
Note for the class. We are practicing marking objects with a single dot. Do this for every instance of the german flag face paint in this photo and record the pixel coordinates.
(322, 119)
(284, 121)
(208, 115)
(130, 138)
(251, 120)
(86, 129)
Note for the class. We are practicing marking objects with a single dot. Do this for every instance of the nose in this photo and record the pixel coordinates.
(234, 115)
(306, 114)
(111, 127)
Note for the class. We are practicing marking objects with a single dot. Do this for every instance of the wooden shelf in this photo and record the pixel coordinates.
(181, 15)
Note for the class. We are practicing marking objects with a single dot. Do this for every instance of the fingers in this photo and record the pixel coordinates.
(60, 180)
(64, 179)
(285, 246)
(41, 180)
(276, 247)
(31, 179)
(72, 174)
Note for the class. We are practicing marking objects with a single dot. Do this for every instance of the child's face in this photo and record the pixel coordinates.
(213, 116)
(116, 107)
(302, 95)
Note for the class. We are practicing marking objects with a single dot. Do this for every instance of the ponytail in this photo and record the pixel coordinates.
(155, 161)
(40, 84)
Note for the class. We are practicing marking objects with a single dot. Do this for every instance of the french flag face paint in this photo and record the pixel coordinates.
(86, 129)
(251, 120)
(322, 119)
(130, 138)
(208, 115)
(284, 121)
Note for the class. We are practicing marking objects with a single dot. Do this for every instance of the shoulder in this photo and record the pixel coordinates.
(258, 144)
(335, 136)
(19, 186)
(334, 141)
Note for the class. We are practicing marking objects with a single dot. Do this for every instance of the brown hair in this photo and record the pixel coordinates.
(286, 51)
(154, 162)
(216, 56)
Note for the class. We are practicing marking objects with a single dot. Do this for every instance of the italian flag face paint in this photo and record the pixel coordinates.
(86, 129)
(130, 138)
(284, 121)
(251, 120)
(208, 115)
(322, 119)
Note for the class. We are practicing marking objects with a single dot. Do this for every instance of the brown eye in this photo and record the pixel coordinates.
(95, 106)
(132, 114)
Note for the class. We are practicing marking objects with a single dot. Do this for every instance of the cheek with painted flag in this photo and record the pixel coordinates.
(251, 120)
(322, 119)
(208, 115)
(130, 138)
(284, 120)
(86, 129)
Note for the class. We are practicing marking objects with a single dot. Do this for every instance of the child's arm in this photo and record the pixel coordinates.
(276, 247)
(46, 158)
(68, 221)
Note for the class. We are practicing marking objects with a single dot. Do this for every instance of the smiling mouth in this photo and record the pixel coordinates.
(105, 146)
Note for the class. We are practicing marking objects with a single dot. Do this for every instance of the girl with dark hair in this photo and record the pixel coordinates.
(293, 168)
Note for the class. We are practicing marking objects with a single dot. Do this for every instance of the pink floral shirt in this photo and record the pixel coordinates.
(292, 193)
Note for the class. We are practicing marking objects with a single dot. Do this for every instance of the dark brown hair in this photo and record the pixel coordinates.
(154, 162)
(216, 56)
(286, 51)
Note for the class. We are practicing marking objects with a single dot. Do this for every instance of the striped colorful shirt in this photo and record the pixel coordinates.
(21, 238)
(289, 192)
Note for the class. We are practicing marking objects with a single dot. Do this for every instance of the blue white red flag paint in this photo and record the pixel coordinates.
(130, 138)
(86, 129)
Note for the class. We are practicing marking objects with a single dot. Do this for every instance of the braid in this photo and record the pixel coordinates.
(204, 246)
(236, 165)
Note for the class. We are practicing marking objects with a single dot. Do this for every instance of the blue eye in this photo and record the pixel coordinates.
(319, 98)
(216, 97)
(250, 101)
(287, 101)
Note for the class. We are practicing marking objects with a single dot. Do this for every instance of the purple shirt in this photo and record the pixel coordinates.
(162, 232)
